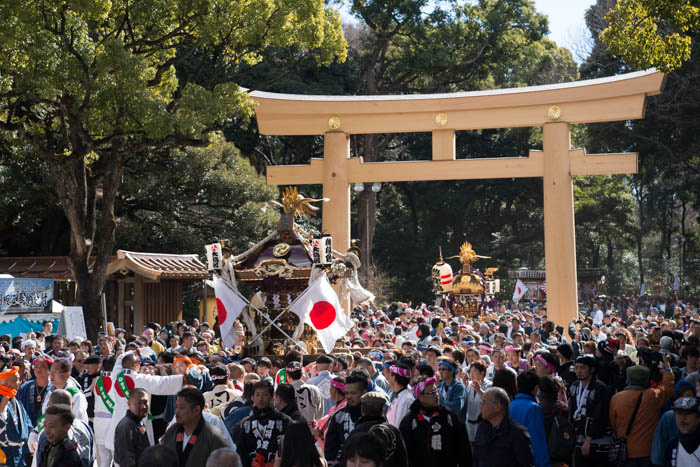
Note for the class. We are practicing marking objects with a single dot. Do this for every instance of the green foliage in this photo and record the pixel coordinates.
(182, 199)
(103, 71)
(652, 33)
(91, 88)
(662, 237)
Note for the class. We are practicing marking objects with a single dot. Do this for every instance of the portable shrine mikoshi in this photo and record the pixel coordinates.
(279, 268)
(467, 292)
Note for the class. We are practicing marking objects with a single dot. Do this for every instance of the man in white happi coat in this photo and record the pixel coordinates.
(104, 407)
(399, 378)
(309, 398)
(59, 374)
(125, 378)
(323, 381)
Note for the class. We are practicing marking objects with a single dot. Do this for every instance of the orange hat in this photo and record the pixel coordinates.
(183, 359)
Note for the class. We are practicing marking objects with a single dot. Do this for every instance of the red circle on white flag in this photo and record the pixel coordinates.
(220, 311)
(322, 315)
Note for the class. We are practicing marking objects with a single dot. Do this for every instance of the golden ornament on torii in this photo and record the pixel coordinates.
(553, 107)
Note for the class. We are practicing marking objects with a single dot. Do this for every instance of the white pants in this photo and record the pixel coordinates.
(104, 456)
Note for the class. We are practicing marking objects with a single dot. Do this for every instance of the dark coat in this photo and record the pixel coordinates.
(595, 419)
(507, 444)
(396, 455)
(341, 425)
(292, 411)
(435, 438)
(567, 374)
(130, 440)
(67, 455)
(210, 439)
(260, 434)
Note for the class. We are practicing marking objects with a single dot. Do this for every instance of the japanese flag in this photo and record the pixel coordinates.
(228, 306)
(519, 291)
(319, 307)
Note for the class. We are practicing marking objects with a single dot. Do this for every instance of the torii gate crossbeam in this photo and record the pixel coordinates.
(554, 107)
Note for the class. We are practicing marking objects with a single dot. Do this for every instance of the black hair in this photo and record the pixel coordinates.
(187, 334)
(358, 376)
(264, 362)
(505, 379)
(549, 357)
(690, 351)
(435, 322)
(527, 382)
(193, 396)
(423, 331)
(138, 392)
(293, 356)
(364, 445)
(63, 411)
(402, 380)
(159, 455)
(263, 384)
(286, 392)
(425, 370)
(299, 446)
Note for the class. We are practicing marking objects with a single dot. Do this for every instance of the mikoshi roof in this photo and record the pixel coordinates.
(265, 258)
(157, 266)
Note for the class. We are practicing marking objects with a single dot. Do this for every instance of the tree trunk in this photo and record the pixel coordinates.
(91, 236)
(367, 211)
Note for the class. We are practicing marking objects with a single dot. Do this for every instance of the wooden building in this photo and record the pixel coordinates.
(141, 287)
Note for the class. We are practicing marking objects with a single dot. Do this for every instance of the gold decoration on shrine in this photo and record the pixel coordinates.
(441, 120)
(269, 269)
(334, 123)
(280, 250)
(490, 272)
(295, 203)
(554, 113)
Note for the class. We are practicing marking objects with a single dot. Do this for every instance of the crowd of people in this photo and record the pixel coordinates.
(407, 386)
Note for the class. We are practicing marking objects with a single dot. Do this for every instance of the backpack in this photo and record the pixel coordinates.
(561, 440)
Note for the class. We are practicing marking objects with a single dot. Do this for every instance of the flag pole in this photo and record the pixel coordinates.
(272, 322)
(287, 308)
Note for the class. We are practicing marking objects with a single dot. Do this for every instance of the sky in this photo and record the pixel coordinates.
(566, 23)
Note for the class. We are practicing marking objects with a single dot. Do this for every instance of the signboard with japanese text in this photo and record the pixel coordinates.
(72, 323)
(25, 295)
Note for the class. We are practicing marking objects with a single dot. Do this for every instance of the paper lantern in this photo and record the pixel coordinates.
(214, 256)
(322, 248)
(442, 277)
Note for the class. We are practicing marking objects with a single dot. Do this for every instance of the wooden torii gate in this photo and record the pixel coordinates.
(554, 107)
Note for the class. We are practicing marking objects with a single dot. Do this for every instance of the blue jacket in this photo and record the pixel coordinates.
(526, 411)
(14, 432)
(27, 395)
(456, 395)
(666, 430)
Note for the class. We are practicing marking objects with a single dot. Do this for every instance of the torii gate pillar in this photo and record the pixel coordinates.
(336, 212)
(559, 230)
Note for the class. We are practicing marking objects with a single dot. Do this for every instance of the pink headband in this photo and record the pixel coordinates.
(486, 348)
(338, 385)
(420, 387)
(400, 371)
(513, 348)
(549, 365)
